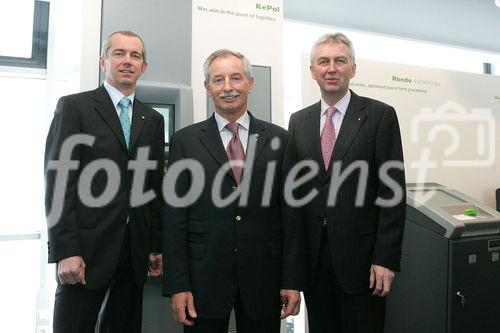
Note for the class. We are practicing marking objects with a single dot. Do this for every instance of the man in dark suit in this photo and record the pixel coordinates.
(355, 220)
(104, 244)
(225, 255)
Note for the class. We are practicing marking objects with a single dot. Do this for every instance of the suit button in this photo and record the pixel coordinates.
(238, 218)
(235, 251)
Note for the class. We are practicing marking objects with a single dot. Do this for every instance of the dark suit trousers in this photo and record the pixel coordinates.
(118, 306)
(331, 310)
(244, 324)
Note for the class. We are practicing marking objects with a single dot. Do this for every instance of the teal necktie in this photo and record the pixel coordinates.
(124, 118)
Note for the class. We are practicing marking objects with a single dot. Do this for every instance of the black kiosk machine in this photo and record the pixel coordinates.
(450, 278)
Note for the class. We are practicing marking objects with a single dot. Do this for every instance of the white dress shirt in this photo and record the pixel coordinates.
(226, 135)
(338, 117)
(116, 95)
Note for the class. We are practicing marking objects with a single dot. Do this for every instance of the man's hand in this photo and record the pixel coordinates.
(183, 308)
(381, 280)
(291, 302)
(71, 270)
(155, 264)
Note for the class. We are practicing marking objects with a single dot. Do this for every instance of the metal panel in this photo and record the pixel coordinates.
(165, 27)
(474, 302)
(417, 301)
(156, 313)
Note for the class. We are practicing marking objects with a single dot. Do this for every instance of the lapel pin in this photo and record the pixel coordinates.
(359, 118)
(143, 117)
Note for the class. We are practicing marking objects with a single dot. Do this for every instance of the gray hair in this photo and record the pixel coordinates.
(223, 53)
(331, 39)
(107, 44)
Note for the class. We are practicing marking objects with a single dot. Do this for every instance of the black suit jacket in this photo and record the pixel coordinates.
(358, 236)
(217, 252)
(97, 234)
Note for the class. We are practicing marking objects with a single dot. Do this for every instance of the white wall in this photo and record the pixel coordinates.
(90, 41)
(255, 32)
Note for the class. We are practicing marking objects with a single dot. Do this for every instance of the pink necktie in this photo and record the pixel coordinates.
(235, 151)
(328, 137)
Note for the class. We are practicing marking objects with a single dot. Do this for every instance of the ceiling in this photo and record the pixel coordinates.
(471, 24)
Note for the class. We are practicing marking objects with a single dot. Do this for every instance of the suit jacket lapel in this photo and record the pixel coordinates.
(138, 120)
(210, 139)
(353, 119)
(105, 107)
(313, 136)
(257, 131)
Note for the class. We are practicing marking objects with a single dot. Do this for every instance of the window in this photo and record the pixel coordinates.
(29, 98)
(167, 111)
(18, 52)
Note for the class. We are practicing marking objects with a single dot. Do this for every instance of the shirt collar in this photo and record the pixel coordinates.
(116, 95)
(243, 121)
(341, 105)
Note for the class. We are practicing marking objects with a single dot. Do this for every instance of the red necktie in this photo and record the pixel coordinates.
(328, 137)
(235, 152)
